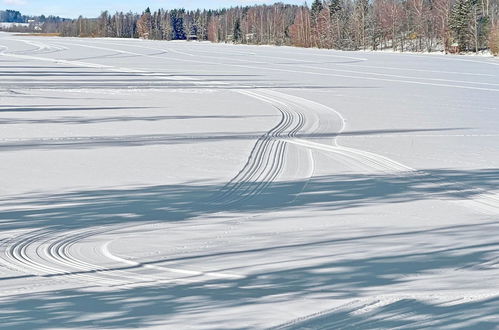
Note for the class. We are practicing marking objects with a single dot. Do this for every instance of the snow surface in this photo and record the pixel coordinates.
(151, 184)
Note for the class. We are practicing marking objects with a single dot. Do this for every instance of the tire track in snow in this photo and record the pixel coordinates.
(474, 197)
(106, 252)
(50, 253)
(399, 78)
(267, 159)
(61, 251)
(27, 254)
(415, 80)
(46, 253)
(111, 68)
(369, 159)
(58, 251)
(40, 47)
(404, 79)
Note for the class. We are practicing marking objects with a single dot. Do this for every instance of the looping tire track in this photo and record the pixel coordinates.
(40, 48)
(38, 253)
(47, 252)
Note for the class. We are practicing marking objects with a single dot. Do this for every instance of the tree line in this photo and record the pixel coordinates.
(403, 25)
(14, 16)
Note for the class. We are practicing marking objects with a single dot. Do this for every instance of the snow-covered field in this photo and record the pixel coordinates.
(192, 185)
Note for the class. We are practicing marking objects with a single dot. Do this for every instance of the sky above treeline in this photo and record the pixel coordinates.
(92, 8)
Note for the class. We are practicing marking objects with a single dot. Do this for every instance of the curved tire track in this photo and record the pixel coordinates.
(267, 159)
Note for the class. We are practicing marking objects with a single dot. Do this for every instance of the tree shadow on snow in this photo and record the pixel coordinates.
(183, 201)
(348, 278)
(341, 278)
(89, 142)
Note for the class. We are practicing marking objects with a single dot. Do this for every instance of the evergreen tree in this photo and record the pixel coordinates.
(461, 18)
(177, 23)
(334, 6)
(237, 34)
(11, 16)
(317, 7)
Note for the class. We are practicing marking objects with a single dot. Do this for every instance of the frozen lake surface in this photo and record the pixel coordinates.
(149, 184)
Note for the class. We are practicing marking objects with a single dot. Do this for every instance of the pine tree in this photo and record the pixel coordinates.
(237, 34)
(461, 18)
(317, 7)
(334, 6)
(177, 23)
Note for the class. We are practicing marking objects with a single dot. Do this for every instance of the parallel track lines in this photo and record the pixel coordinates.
(267, 159)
